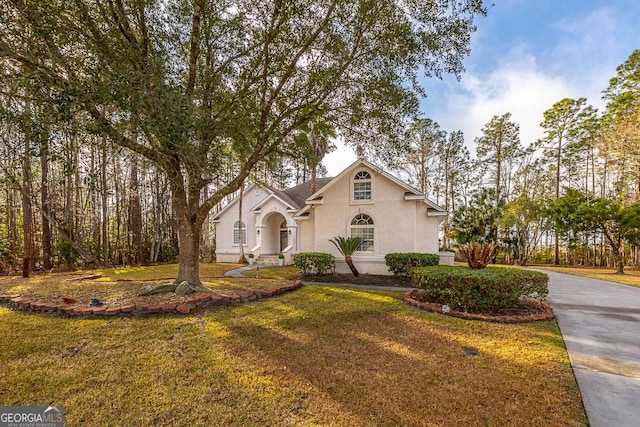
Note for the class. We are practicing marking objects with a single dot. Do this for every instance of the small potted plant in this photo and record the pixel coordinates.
(250, 257)
(280, 258)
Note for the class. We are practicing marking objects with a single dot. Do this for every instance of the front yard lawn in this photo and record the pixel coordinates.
(316, 356)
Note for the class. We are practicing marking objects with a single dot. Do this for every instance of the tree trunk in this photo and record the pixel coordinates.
(68, 192)
(27, 212)
(117, 252)
(44, 200)
(619, 260)
(188, 279)
(13, 223)
(188, 257)
(616, 245)
(352, 267)
(314, 179)
(556, 243)
(206, 234)
(105, 213)
(135, 215)
(157, 219)
(242, 231)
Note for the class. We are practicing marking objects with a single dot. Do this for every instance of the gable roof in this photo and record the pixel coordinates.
(293, 198)
(410, 192)
(299, 198)
(301, 192)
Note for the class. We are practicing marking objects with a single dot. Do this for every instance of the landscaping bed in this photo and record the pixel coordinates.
(363, 279)
(123, 286)
(527, 309)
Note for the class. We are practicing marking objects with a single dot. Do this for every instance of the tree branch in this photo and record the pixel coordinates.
(194, 45)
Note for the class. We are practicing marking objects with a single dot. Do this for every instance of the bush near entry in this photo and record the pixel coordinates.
(400, 264)
(314, 262)
(484, 290)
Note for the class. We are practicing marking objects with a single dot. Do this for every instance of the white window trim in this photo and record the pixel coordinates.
(354, 181)
(372, 249)
(233, 235)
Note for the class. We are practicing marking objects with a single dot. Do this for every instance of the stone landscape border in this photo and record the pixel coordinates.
(546, 314)
(18, 302)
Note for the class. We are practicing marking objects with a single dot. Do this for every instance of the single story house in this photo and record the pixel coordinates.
(363, 201)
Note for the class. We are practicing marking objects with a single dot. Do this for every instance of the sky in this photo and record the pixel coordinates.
(526, 55)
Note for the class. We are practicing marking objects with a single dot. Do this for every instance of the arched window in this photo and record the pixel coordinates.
(362, 186)
(362, 226)
(239, 229)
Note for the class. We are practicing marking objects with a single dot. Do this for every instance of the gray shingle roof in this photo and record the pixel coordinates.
(300, 193)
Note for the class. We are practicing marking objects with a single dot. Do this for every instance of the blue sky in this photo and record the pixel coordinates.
(525, 56)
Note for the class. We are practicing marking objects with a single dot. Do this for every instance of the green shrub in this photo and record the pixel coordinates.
(482, 290)
(400, 264)
(314, 262)
(6, 257)
(67, 252)
(542, 256)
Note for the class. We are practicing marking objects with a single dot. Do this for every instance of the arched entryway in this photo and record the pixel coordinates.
(276, 234)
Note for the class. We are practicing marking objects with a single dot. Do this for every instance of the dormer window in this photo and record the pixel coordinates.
(362, 186)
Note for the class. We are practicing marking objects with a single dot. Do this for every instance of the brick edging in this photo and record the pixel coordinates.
(18, 302)
(546, 314)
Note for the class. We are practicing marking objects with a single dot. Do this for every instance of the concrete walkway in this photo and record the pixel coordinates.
(600, 323)
(238, 271)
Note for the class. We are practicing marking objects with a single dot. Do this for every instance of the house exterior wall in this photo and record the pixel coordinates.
(399, 225)
(226, 250)
(307, 231)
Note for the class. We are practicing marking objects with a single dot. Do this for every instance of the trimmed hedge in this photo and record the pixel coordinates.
(314, 262)
(400, 264)
(479, 290)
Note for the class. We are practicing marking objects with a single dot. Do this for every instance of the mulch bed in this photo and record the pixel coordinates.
(363, 279)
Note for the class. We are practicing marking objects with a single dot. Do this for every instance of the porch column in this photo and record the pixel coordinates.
(292, 239)
(260, 230)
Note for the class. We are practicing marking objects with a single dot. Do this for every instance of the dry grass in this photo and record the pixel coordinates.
(317, 356)
(631, 276)
(123, 285)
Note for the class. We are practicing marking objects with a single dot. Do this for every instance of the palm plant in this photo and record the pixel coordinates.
(347, 246)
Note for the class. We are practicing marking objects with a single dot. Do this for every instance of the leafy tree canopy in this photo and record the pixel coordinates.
(196, 85)
(623, 93)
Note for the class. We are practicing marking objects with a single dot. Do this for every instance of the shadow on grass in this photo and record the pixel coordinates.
(375, 364)
(317, 356)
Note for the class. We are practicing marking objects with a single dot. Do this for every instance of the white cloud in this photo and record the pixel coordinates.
(527, 82)
(516, 86)
(529, 78)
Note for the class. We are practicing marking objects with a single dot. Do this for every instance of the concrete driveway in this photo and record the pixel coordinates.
(600, 323)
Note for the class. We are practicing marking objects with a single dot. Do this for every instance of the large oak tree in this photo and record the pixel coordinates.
(193, 85)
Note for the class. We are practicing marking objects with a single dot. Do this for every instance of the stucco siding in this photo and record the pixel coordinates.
(399, 225)
(395, 221)
(307, 230)
(226, 250)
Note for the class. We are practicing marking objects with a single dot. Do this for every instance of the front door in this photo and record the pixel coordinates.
(284, 236)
